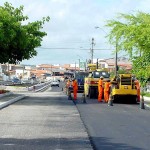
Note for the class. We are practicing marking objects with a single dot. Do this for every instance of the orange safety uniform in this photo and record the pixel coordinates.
(100, 90)
(106, 91)
(75, 89)
(137, 85)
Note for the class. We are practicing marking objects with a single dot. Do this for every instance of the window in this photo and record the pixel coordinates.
(98, 74)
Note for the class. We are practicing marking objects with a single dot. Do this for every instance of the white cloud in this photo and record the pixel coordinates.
(73, 24)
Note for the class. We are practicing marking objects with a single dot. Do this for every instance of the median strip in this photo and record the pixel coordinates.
(5, 104)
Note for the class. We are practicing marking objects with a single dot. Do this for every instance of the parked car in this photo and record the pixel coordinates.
(16, 81)
(55, 83)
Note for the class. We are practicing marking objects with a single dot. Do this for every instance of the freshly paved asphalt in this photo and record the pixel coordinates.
(122, 126)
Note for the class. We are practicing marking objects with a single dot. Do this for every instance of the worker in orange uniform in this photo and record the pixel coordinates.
(137, 85)
(106, 91)
(75, 88)
(100, 89)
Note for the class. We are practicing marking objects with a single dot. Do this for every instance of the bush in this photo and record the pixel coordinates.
(3, 91)
(147, 94)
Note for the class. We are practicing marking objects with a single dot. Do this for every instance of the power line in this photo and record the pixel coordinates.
(51, 48)
(55, 48)
(99, 49)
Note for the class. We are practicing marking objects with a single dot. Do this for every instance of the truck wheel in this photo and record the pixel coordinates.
(114, 98)
(134, 99)
(91, 91)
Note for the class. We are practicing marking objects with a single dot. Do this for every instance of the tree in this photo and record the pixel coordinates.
(18, 39)
(141, 67)
(132, 34)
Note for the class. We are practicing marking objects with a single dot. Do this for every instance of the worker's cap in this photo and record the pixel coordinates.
(73, 79)
(101, 77)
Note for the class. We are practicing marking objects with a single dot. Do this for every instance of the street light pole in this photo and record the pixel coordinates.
(116, 57)
(116, 53)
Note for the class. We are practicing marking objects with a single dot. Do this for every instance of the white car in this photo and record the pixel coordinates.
(25, 81)
(55, 83)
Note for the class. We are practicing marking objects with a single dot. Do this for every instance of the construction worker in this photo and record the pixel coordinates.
(106, 90)
(68, 86)
(100, 89)
(114, 83)
(137, 85)
(75, 88)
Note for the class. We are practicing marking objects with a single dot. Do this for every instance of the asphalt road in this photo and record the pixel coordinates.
(118, 127)
(43, 121)
(47, 120)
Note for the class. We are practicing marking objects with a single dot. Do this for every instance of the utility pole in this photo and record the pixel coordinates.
(97, 65)
(116, 59)
(92, 50)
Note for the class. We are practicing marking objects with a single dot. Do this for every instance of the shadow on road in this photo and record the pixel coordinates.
(61, 143)
(95, 101)
(100, 143)
(44, 101)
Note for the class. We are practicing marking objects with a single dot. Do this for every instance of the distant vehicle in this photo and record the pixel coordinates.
(25, 81)
(55, 83)
(79, 76)
(16, 81)
(68, 75)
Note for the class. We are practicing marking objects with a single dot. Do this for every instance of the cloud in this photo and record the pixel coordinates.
(72, 25)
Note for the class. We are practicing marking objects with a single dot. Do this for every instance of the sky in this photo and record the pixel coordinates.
(72, 27)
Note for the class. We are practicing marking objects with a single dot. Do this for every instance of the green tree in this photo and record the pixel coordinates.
(18, 39)
(141, 67)
(131, 32)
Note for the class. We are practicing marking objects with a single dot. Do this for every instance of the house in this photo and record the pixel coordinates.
(122, 62)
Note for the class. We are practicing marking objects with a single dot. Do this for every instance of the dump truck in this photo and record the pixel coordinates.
(91, 82)
(123, 87)
(79, 76)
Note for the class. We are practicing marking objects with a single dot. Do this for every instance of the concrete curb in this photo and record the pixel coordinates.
(12, 101)
(32, 89)
(147, 99)
(147, 105)
(42, 88)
